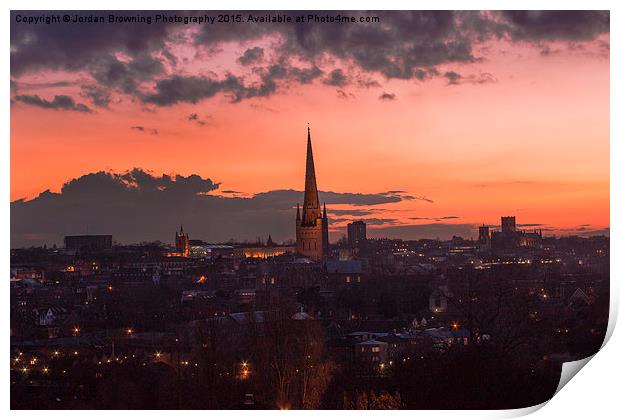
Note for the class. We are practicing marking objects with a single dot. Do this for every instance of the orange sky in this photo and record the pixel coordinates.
(535, 143)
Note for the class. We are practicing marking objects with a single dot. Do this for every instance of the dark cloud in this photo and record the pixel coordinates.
(80, 46)
(142, 129)
(582, 230)
(336, 78)
(419, 198)
(409, 45)
(341, 94)
(137, 206)
(110, 72)
(423, 231)
(193, 89)
(251, 55)
(556, 24)
(21, 86)
(350, 212)
(60, 102)
(366, 82)
(195, 118)
(376, 221)
(455, 78)
(436, 219)
(379, 221)
(98, 96)
(385, 96)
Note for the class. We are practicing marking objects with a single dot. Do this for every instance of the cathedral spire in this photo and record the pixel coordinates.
(312, 228)
(312, 206)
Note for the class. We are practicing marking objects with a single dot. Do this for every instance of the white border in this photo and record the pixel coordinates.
(593, 394)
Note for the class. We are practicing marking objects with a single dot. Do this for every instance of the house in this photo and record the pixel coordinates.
(372, 352)
(438, 301)
(580, 299)
(344, 273)
(50, 315)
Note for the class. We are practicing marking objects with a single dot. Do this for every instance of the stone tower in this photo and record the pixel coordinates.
(311, 224)
(181, 242)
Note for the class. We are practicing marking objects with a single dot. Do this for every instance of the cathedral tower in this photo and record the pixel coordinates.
(181, 242)
(311, 224)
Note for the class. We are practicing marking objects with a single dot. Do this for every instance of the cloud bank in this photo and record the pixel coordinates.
(143, 62)
(139, 206)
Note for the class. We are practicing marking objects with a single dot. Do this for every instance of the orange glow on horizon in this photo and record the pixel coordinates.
(535, 144)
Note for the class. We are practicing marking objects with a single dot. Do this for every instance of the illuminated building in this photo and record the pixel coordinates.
(511, 237)
(311, 225)
(181, 241)
(264, 252)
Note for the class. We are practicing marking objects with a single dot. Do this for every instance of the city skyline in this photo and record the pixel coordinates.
(423, 147)
(304, 210)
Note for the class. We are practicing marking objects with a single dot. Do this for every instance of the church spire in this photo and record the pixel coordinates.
(312, 206)
(324, 211)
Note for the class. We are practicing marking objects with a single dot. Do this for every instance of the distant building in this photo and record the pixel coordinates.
(181, 241)
(356, 233)
(311, 225)
(85, 243)
(509, 224)
(372, 352)
(484, 234)
(484, 237)
(510, 236)
(268, 251)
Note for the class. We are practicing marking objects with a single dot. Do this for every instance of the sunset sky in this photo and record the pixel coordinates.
(425, 124)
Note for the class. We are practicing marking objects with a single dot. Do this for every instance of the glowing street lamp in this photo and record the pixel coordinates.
(76, 330)
(130, 331)
(245, 370)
